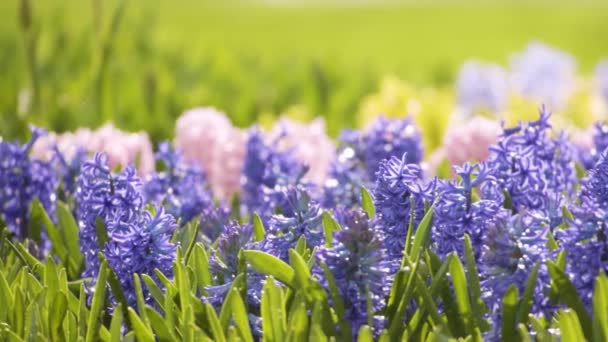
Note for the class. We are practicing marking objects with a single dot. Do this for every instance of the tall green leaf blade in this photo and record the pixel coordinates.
(298, 324)
(367, 202)
(259, 232)
(422, 236)
(159, 326)
(329, 227)
(116, 324)
(270, 265)
(509, 312)
(154, 290)
(528, 296)
(201, 266)
(569, 295)
(6, 298)
(97, 304)
(461, 291)
(570, 326)
(239, 314)
(600, 308)
(365, 334)
(70, 232)
(479, 307)
(214, 323)
(142, 332)
(273, 312)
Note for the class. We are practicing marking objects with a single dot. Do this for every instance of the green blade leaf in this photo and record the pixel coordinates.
(570, 326)
(509, 312)
(93, 322)
(70, 234)
(159, 326)
(528, 296)
(422, 236)
(239, 315)
(479, 307)
(259, 232)
(116, 324)
(102, 233)
(568, 294)
(214, 324)
(367, 202)
(329, 227)
(142, 332)
(461, 291)
(600, 303)
(270, 265)
(365, 334)
(273, 312)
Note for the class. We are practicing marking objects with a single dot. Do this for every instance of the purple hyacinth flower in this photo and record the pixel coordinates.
(358, 264)
(544, 74)
(399, 185)
(266, 172)
(182, 188)
(22, 179)
(481, 87)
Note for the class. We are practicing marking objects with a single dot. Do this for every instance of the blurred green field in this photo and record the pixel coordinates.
(143, 67)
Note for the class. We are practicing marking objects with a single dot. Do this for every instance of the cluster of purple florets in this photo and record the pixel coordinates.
(520, 208)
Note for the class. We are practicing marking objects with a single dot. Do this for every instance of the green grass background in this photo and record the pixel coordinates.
(254, 59)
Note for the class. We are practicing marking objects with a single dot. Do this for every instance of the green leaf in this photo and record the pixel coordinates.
(142, 332)
(239, 315)
(428, 302)
(154, 290)
(159, 326)
(507, 203)
(329, 227)
(270, 265)
(36, 220)
(298, 324)
(509, 312)
(193, 229)
(367, 202)
(139, 296)
(422, 236)
(569, 295)
(214, 324)
(365, 334)
(97, 303)
(396, 319)
(70, 233)
(259, 232)
(226, 311)
(479, 307)
(116, 324)
(461, 291)
(57, 312)
(303, 278)
(201, 267)
(523, 333)
(102, 233)
(570, 326)
(6, 298)
(551, 242)
(273, 312)
(117, 291)
(528, 296)
(600, 305)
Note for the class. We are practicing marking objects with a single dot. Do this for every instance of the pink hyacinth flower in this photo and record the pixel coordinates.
(122, 148)
(471, 140)
(206, 136)
(310, 144)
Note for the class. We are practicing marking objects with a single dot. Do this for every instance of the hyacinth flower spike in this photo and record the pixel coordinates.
(23, 178)
(357, 262)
